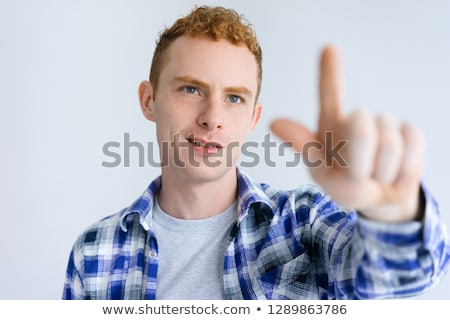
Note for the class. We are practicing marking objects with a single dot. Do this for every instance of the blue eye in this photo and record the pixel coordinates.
(235, 99)
(189, 89)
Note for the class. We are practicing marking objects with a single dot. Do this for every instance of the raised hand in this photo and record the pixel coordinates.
(379, 168)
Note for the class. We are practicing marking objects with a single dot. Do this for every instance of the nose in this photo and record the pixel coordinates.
(211, 117)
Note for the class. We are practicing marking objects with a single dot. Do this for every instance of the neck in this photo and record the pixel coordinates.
(187, 198)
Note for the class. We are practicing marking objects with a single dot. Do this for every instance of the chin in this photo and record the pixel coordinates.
(204, 173)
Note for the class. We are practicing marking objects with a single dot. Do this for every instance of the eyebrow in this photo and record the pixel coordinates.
(188, 79)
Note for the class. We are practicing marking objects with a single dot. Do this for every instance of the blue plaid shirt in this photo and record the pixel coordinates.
(295, 244)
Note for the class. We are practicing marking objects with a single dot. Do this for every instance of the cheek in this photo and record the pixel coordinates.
(168, 118)
(240, 135)
(165, 126)
(242, 124)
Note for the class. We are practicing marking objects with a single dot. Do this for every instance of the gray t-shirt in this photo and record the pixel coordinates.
(191, 255)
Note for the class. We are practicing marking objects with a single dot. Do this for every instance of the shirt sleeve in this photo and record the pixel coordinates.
(73, 285)
(400, 260)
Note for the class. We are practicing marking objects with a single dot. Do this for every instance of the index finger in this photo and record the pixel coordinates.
(330, 89)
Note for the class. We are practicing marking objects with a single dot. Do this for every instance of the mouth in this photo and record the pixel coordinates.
(203, 142)
(204, 145)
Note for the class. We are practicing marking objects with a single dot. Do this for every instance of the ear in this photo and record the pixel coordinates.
(256, 116)
(146, 99)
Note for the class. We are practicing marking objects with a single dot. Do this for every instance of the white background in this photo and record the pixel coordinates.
(69, 73)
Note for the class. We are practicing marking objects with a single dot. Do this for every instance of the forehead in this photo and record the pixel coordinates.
(211, 60)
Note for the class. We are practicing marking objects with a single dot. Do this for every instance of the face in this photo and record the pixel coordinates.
(204, 107)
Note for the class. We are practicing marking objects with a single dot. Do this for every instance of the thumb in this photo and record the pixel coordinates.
(292, 132)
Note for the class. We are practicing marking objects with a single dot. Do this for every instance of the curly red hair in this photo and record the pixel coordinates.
(216, 23)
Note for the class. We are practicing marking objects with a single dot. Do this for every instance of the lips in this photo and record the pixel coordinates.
(204, 143)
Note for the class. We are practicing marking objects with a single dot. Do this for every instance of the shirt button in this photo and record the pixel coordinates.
(153, 254)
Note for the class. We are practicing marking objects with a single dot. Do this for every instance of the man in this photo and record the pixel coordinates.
(205, 230)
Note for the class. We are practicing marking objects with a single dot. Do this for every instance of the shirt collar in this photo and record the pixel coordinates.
(143, 206)
(249, 193)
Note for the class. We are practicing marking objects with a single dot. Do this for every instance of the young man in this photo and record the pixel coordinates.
(206, 230)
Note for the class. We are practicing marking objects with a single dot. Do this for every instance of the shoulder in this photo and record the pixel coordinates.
(112, 229)
(305, 194)
(305, 202)
(261, 191)
(101, 232)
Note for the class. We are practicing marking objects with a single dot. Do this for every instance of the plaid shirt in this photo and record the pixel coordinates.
(295, 244)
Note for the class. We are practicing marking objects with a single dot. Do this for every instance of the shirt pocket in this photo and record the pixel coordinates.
(289, 280)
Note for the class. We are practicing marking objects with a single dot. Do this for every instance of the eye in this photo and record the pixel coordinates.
(235, 99)
(190, 90)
